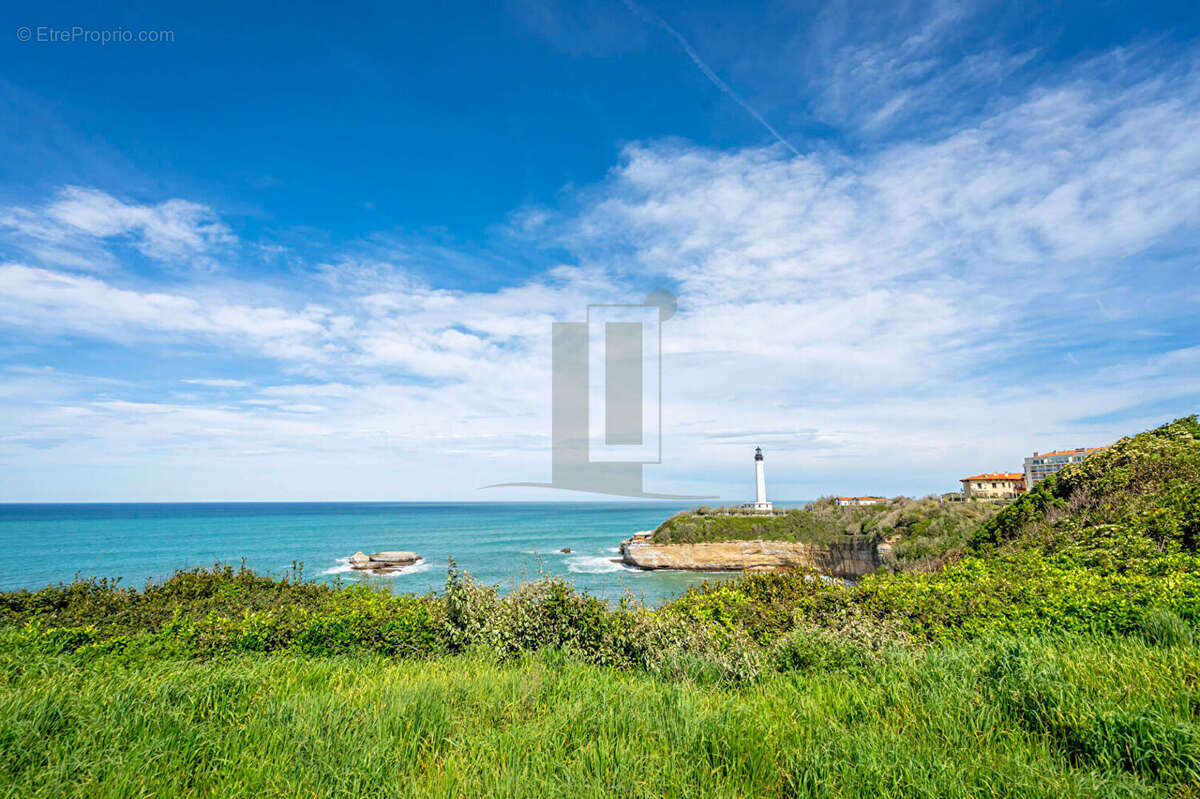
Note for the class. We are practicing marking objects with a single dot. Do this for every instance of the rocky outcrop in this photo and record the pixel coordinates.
(845, 560)
(395, 557)
(383, 562)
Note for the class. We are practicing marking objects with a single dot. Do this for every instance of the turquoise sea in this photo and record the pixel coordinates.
(500, 543)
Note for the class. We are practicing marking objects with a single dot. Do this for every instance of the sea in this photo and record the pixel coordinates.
(501, 543)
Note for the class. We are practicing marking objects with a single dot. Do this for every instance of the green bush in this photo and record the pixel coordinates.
(818, 649)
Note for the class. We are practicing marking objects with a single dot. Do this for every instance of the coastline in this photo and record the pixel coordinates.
(849, 560)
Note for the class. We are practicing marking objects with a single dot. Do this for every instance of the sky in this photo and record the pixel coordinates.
(303, 252)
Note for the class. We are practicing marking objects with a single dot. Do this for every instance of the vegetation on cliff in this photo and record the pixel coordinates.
(1058, 639)
(1119, 508)
(1104, 546)
(922, 530)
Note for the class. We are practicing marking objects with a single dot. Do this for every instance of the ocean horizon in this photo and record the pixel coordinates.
(502, 543)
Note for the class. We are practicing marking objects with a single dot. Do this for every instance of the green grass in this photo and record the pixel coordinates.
(1041, 717)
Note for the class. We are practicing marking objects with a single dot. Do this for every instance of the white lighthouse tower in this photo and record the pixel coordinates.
(760, 502)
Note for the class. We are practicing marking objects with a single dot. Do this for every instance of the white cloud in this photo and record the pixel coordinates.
(925, 255)
(47, 301)
(66, 230)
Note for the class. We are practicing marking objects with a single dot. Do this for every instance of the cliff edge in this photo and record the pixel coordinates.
(845, 560)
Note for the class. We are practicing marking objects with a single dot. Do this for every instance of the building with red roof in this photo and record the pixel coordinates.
(860, 500)
(993, 485)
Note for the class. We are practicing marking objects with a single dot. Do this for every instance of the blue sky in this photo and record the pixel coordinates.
(298, 253)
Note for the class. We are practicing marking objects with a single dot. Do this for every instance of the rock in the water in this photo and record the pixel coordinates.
(383, 562)
(392, 557)
(565, 550)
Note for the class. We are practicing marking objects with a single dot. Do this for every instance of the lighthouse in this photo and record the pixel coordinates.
(760, 502)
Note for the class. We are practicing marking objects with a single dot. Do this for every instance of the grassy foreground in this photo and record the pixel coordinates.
(1065, 716)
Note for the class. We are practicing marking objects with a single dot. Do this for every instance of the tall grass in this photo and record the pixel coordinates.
(1039, 717)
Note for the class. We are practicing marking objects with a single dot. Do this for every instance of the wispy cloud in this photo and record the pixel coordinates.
(41, 300)
(873, 70)
(175, 231)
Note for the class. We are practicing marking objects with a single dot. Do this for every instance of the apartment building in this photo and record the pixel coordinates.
(1043, 464)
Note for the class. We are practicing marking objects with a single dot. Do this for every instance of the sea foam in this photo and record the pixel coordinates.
(595, 564)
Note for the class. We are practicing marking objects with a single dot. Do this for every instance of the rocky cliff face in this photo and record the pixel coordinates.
(848, 561)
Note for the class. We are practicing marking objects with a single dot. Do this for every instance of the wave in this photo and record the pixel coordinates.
(342, 568)
(596, 564)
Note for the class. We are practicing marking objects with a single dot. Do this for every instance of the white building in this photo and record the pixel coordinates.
(760, 502)
(860, 500)
(993, 485)
(1044, 464)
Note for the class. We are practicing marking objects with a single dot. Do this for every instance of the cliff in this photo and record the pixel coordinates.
(923, 530)
(846, 560)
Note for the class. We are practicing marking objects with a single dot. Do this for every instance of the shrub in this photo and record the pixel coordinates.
(815, 648)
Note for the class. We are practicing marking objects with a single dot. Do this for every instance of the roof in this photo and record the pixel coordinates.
(1083, 450)
(995, 476)
(881, 499)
